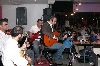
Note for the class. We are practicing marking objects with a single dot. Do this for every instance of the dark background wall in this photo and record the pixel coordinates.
(62, 6)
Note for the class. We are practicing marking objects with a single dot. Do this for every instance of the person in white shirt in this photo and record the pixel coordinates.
(3, 36)
(35, 29)
(11, 51)
(83, 31)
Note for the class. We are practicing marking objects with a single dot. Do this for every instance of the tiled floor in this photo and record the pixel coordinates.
(66, 62)
(74, 63)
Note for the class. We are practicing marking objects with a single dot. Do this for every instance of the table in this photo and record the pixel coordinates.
(93, 47)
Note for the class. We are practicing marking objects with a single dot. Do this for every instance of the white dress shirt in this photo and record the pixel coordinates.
(50, 26)
(83, 32)
(12, 54)
(52, 30)
(3, 38)
(34, 29)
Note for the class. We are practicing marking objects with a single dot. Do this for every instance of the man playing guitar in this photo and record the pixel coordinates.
(47, 30)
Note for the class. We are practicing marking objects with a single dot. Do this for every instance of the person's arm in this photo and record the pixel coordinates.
(16, 57)
(1, 46)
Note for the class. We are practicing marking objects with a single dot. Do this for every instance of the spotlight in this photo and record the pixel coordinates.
(80, 4)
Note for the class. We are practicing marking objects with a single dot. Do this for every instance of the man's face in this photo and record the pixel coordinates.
(54, 21)
(20, 36)
(4, 26)
(40, 23)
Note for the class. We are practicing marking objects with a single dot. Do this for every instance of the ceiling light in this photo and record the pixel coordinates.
(72, 14)
(66, 15)
(77, 9)
(82, 18)
(80, 4)
(35, 0)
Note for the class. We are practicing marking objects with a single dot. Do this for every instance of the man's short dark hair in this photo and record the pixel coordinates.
(51, 18)
(39, 20)
(16, 31)
(3, 20)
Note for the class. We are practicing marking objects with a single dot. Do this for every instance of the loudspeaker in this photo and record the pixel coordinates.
(21, 16)
(47, 13)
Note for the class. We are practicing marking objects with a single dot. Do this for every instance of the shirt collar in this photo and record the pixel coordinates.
(49, 23)
(38, 27)
(2, 32)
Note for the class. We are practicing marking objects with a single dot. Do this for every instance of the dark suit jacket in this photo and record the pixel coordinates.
(47, 30)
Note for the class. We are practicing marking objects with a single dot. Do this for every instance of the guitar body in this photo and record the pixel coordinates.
(50, 41)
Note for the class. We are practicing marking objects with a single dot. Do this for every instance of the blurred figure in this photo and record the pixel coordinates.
(35, 37)
(83, 31)
(67, 41)
(93, 36)
(3, 36)
(48, 30)
(8, 32)
(36, 28)
(98, 36)
(11, 51)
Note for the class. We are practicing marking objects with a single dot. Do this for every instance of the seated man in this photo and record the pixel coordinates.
(67, 41)
(93, 36)
(35, 37)
(47, 29)
(11, 51)
(3, 36)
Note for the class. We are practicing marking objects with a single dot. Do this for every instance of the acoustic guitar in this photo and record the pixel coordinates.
(50, 41)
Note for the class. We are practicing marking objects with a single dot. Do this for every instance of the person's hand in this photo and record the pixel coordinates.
(28, 59)
(65, 36)
(55, 37)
